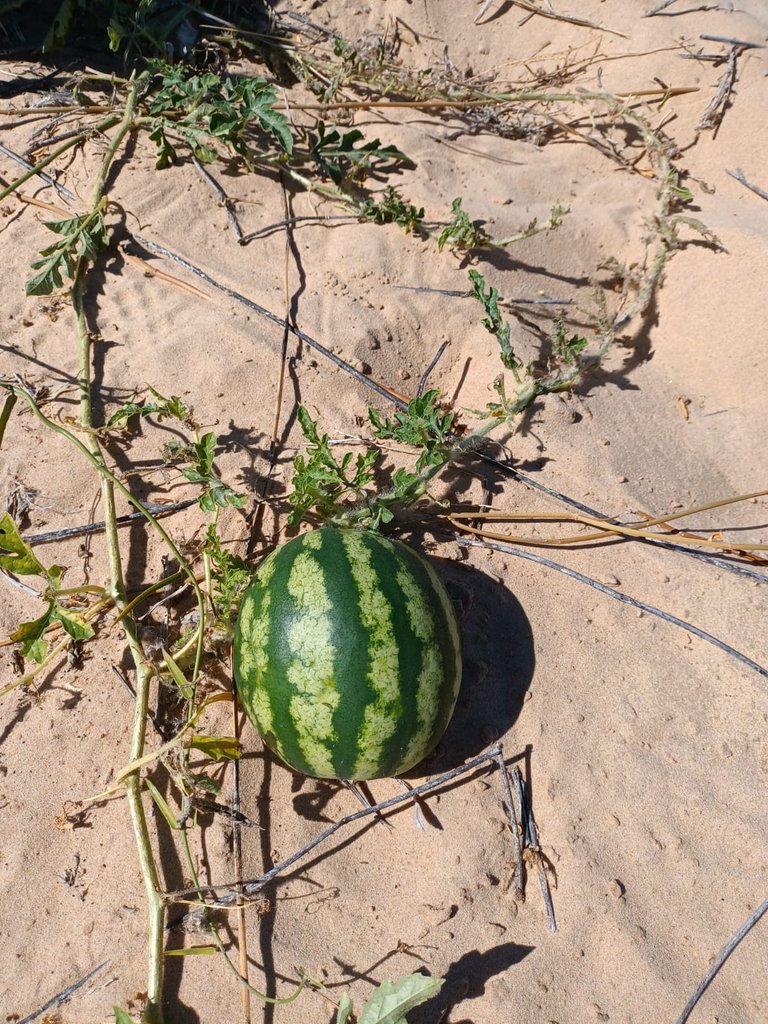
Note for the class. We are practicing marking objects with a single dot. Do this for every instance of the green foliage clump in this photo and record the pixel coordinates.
(339, 491)
(17, 557)
(392, 208)
(424, 425)
(347, 156)
(493, 322)
(80, 238)
(205, 109)
(460, 232)
(320, 481)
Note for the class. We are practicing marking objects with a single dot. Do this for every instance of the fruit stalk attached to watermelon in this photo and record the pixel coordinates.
(346, 654)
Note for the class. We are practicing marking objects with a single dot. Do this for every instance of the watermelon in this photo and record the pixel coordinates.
(346, 654)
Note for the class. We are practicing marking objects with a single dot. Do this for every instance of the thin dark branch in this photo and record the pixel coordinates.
(232, 890)
(531, 834)
(515, 825)
(507, 549)
(741, 44)
(81, 531)
(567, 18)
(361, 798)
(226, 202)
(52, 140)
(289, 222)
(716, 58)
(739, 176)
(62, 997)
(659, 8)
(722, 956)
(456, 293)
(430, 368)
(275, 319)
(41, 174)
(713, 115)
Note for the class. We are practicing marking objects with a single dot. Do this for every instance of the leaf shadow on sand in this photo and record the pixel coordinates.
(498, 665)
(466, 979)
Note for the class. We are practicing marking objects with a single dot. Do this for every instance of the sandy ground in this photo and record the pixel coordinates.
(644, 746)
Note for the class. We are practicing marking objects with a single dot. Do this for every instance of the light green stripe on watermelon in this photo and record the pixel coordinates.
(253, 656)
(311, 668)
(267, 568)
(449, 616)
(382, 715)
(312, 541)
(430, 678)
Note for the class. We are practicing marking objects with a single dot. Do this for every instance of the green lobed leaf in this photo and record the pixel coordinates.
(73, 622)
(277, 125)
(231, 576)
(166, 153)
(460, 232)
(15, 554)
(122, 1016)
(392, 208)
(218, 748)
(564, 348)
(493, 322)
(259, 98)
(221, 495)
(344, 1011)
(173, 407)
(193, 951)
(212, 107)
(393, 999)
(31, 635)
(162, 805)
(130, 409)
(47, 281)
(320, 481)
(163, 407)
(186, 688)
(204, 450)
(81, 238)
(335, 154)
(423, 425)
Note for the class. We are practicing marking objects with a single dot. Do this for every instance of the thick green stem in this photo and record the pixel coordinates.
(153, 1013)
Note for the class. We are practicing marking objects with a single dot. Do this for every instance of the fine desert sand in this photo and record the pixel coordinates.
(644, 747)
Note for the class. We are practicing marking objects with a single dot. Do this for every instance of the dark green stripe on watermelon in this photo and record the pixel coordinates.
(334, 643)
(350, 641)
(412, 651)
(409, 650)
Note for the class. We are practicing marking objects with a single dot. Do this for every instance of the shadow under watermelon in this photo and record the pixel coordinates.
(498, 665)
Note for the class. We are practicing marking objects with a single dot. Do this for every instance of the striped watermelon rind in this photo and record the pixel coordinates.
(346, 654)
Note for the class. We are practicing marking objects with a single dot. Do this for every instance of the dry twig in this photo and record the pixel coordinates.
(64, 996)
(624, 598)
(608, 527)
(739, 176)
(722, 956)
(227, 895)
(226, 201)
(713, 115)
(531, 838)
(155, 508)
(569, 19)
